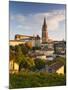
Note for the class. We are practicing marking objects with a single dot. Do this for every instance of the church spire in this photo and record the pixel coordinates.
(44, 24)
(44, 32)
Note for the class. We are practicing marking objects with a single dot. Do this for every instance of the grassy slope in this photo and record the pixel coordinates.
(26, 80)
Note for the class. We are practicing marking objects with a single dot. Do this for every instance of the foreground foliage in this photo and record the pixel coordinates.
(36, 79)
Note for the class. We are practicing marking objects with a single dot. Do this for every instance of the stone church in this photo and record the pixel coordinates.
(45, 38)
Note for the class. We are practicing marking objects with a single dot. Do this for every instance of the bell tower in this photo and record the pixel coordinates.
(44, 32)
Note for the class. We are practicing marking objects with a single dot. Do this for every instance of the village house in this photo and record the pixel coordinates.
(37, 55)
(13, 67)
(56, 68)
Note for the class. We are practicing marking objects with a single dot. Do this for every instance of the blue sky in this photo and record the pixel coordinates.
(27, 18)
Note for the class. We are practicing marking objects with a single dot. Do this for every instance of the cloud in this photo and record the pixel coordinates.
(32, 23)
(53, 18)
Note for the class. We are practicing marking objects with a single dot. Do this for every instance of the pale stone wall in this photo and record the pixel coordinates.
(37, 43)
(15, 42)
(60, 70)
(42, 57)
(11, 65)
(48, 52)
(16, 66)
(30, 43)
(19, 37)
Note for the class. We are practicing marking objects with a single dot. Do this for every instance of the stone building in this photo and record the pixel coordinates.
(60, 47)
(45, 37)
(31, 41)
(13, 67)
(56, 68)
(22, 37)
(37, 41)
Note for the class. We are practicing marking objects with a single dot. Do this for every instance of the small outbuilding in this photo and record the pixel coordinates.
(13, 67)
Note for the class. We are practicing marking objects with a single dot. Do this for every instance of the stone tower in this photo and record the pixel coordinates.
(44, 32)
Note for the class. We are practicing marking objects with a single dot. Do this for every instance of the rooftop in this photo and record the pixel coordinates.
(56, 66)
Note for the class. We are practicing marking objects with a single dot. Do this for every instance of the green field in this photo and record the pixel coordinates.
(36, 79)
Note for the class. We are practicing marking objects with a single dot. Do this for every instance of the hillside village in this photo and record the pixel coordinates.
(37, 45)
(36, 49)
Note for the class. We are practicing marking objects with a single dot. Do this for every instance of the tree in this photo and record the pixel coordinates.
(12, 52)
(12, 48)
(30, 63)
(20, 57)
(12, 55)
(23, 64)
(18, 54)
(36, 48)
(39, 63)
(27, 63)
(24, 49)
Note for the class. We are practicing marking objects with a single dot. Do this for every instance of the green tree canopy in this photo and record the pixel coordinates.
(24, 49)
(39, 63)
(12, 55)
(27, 63)
(18, 54)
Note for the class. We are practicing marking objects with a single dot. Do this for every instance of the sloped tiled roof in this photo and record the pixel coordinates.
(56, 66)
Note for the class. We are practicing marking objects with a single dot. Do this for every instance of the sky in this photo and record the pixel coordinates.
(27, 19)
